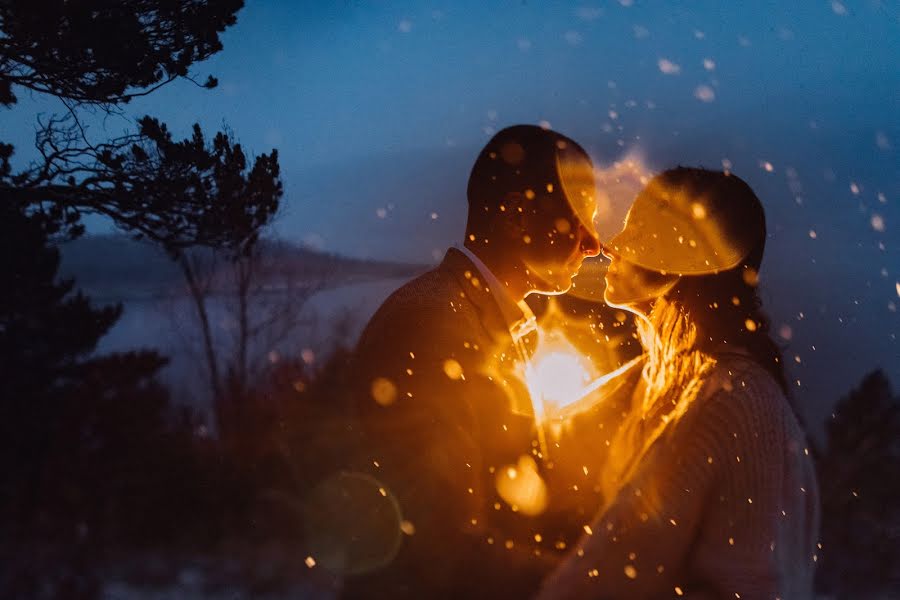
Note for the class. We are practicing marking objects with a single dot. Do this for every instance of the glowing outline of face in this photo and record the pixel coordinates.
(630, 286)
(574, 224)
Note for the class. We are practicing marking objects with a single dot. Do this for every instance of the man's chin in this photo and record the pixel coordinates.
(563, 286)
(553, 287)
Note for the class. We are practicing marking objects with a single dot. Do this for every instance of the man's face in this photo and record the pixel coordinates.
(558, 235)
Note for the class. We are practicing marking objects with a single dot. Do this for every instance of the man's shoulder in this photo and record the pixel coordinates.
(432, 299)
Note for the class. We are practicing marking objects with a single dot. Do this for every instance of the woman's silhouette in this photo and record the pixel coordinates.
(711, 492)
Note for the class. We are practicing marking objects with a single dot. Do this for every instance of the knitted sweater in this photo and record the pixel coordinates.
(723, 505)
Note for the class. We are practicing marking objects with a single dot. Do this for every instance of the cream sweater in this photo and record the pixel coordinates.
(723, 505)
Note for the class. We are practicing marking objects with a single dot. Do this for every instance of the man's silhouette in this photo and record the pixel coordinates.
(436, 396)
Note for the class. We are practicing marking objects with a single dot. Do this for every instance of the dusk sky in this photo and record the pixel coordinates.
(378, 110)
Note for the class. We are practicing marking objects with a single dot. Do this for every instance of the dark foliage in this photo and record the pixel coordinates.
(861, 493)
(87, 442)
(176, 193)
(93, 460)
(109, 51)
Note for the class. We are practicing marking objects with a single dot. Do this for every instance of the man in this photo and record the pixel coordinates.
(448, 424)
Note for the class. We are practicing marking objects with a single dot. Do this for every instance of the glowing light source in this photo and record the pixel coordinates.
(522, 487)
(557, 375)
(561, 380)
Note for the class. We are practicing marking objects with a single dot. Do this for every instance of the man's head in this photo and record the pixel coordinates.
(531, 206)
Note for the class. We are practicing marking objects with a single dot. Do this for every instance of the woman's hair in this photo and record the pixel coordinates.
(704, 315)
(727, 312)
(694, 323)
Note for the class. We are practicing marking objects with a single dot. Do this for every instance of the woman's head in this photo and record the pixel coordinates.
(685, 222)
(695, 239)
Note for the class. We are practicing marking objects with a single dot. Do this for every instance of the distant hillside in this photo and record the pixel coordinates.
(114, 267)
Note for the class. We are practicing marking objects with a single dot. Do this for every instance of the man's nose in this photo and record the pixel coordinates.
(590, 245)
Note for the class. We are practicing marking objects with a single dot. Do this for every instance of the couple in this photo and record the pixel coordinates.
(707, 490)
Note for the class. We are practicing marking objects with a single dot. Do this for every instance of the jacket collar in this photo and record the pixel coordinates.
(485, 300)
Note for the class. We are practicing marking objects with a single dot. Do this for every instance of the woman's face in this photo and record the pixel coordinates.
(630, 286)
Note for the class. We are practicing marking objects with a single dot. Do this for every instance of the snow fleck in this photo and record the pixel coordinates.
(573, 38)
(709, 64)
(838, 8)
(404, 26)
(588, 13)
(882, 140)
(704, 93)
(668, 67)
(877, 222)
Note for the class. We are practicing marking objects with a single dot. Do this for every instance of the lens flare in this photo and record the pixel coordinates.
(557, 375)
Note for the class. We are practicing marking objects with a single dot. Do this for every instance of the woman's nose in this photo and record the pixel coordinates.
(607, 252)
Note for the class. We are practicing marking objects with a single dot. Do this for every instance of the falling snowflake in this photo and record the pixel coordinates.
(573, 38)
(588, 13)
(704, 93)
(668, 67)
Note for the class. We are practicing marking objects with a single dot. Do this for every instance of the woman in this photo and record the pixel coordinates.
(711, 490)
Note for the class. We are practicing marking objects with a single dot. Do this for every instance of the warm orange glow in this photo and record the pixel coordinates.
(561, 380)
(522, 487)
(556, 375)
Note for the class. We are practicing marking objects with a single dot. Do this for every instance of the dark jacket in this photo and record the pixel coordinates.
(443, 414)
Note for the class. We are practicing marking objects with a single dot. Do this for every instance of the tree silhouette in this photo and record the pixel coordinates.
(106, 52)
(179, 194)
(89, 442)
(64, 413)
(861, 493)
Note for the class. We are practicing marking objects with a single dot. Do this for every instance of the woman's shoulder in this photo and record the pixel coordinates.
(738, 388)
(740, 374)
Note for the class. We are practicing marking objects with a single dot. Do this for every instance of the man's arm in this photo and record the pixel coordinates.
(430, 448)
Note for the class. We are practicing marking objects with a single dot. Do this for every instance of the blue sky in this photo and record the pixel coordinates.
(379, 108)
